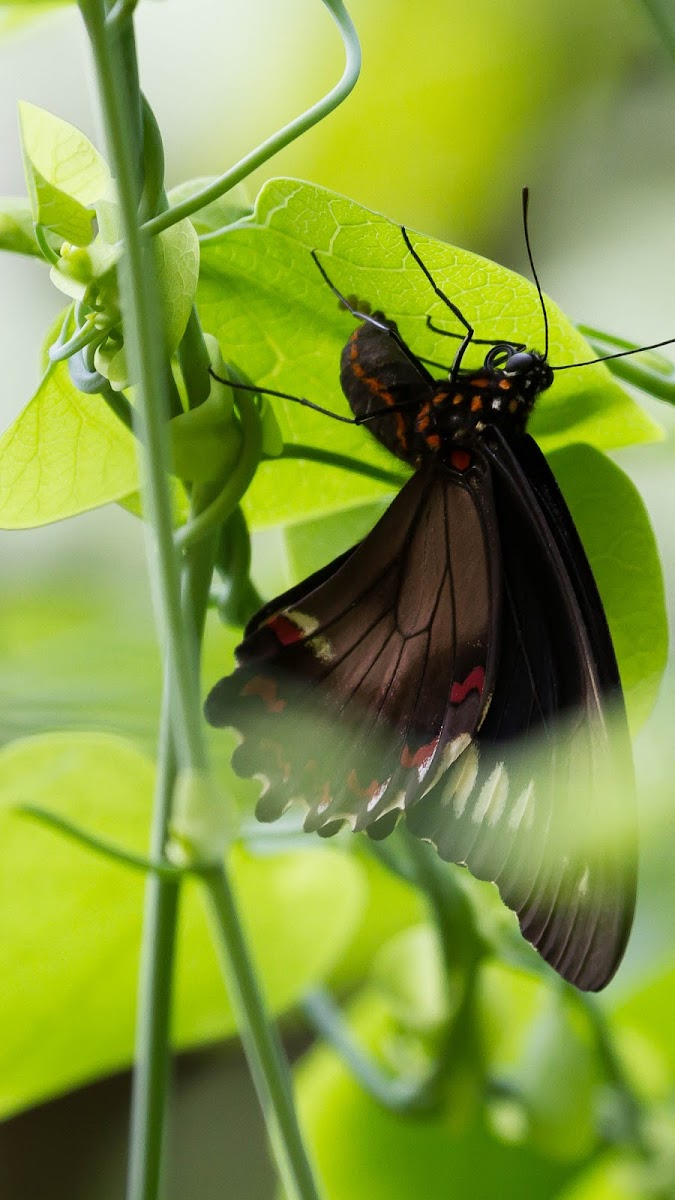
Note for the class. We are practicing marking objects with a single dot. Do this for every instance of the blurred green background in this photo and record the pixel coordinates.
(458, 106)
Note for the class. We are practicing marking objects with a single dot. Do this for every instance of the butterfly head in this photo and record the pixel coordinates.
(527, 370)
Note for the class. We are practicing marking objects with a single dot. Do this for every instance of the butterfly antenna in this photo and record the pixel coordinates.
(526, 205)
(620, 354)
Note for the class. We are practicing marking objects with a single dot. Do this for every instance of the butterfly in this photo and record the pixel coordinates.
(456, 664)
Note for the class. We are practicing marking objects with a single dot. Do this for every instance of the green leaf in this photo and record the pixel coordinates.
(648, 1010)
(617, 536)
(392, 905)
(71, 920)
(65, 174)
(16, 226)
(408, 970)
(262, 296)
(64, 454)
(177, 259)
(362, 1150)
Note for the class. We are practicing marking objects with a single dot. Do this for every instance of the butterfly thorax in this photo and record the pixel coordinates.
(430, 416)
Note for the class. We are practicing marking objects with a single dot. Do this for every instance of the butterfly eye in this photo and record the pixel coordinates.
(520, 364)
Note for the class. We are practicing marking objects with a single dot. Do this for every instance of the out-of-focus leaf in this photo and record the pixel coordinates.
(16, 14)
(408, 971)
(65, 174)
(72, 921)
(617, 535)
(392, 905)
(558, 1078)
(615, 1176)
(649, 1010)
(16, 226)
(362, 1150)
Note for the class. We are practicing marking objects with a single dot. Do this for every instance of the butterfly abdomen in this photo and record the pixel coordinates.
(428, 415)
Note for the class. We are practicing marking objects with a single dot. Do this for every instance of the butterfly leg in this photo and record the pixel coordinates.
(369, 319)
(326, 412)
(468, 336)
(476, 341)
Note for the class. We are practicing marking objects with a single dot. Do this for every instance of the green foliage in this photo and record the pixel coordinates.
(381, 1155)
(617, 536)
(64, 173)
(72, 921)
(65, 453)
(522, 1071)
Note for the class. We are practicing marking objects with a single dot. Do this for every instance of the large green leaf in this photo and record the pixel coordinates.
(65, 453)
(263, 297)
(71, 921)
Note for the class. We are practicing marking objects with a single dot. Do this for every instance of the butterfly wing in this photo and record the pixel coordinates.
(544, 806)
(355, 688)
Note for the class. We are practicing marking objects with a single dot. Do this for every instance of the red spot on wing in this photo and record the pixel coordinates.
(473, 683)
(267, 690)
(421, 756)
(363, 793)
(460, 460)
(285, 630)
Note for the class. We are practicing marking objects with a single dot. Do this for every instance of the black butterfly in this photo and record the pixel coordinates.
(455, 665)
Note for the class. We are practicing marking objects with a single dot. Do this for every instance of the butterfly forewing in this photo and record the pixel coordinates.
(353, 696)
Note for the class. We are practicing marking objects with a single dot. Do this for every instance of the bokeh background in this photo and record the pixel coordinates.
(458, 106)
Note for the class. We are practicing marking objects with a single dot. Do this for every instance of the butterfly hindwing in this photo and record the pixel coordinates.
(545, 804)
(359, 685)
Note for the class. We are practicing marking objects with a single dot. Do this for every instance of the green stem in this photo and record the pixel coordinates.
(47, 252)
(181, 741)
(344, 462)
(119, 404)
(193, 357)
(280, 139)
(211, 518)
(98, 845)
(398, 1095)
(143, 337)
(81, 338)
(121, 12)
(155, 991)
(261, 1042)
(661, 13)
